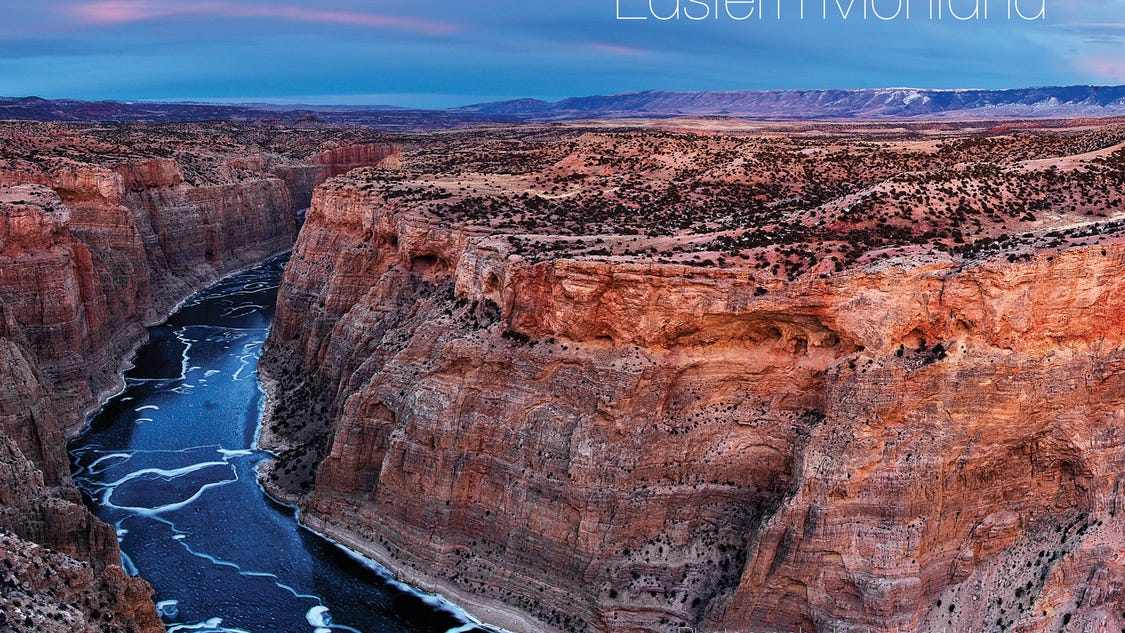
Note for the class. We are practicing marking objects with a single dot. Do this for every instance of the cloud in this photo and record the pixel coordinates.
(127, 11)
(1112, 69)
(1096, 33)
(616, 49)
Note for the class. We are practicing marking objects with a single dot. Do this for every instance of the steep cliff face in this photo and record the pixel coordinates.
(93, 249)
(62, 571)
(332, 161)
(584, 441)
(118, 258)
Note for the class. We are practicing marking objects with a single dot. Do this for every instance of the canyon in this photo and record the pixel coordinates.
(608, 376)
(722, 377)
(104, 230)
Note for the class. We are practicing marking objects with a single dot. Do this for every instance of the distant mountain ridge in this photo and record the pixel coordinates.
(883, 103)
(830, 104)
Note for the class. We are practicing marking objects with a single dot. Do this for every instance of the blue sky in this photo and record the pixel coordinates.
(436, 53)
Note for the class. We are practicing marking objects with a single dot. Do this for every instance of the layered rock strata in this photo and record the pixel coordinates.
(333, 161)
(100, 238)
(603, 433)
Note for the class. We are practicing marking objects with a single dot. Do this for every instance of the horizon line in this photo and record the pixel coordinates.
(298, 102)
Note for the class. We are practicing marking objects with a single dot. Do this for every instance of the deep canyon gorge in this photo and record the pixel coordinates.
(105, 229)
(642, 376)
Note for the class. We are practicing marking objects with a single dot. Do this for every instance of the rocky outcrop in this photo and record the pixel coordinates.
(576, 442)
(49, 592)
(91, 252)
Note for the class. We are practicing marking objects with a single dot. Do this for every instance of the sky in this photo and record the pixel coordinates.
(441, 53)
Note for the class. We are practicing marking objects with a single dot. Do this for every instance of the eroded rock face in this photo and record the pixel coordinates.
(92, 250)
(579, 441)
(332, 161)
(59, 565)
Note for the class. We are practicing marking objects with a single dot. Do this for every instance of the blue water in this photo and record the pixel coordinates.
(170, 463)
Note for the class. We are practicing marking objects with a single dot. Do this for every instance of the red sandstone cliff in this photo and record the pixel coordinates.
(602, 443)
(333, 161)
(91, 252)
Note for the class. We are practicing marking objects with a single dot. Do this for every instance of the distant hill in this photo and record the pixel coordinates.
(383, 117)
(886, 103)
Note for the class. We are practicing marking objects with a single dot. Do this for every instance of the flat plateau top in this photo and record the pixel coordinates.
(788, 200)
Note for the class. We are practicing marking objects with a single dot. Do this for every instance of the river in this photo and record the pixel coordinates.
(170, 463)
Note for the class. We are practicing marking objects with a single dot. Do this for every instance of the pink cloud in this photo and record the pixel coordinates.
(124, 11)
(616, 49)
(1105, 67)
(116, 11)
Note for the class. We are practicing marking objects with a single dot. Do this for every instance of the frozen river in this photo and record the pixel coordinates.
(170, 463)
